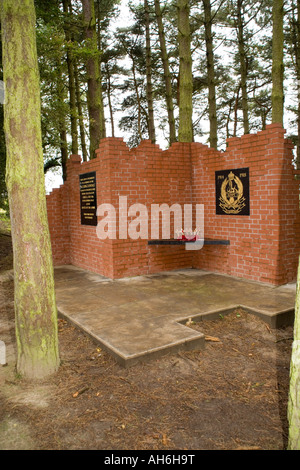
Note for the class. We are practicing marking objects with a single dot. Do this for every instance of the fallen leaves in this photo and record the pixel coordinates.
(80, 392)
(214, 339)
(248, 448)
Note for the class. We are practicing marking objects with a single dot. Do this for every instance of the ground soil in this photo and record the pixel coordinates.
(231, 395)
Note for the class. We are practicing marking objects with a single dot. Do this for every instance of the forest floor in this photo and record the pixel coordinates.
(232, 395)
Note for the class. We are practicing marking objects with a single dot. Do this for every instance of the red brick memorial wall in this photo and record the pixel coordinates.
(264, 245)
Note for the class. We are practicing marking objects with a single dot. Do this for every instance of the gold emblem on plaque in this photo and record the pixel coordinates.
(231, 199)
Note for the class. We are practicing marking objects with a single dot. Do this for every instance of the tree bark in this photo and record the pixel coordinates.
(96, 124)
(212, 105)
(243, 66)
(151, 125)
(72, 88)
(277, 63)
(80, 114)
(185, 132)
(294, 395)
(295, 27)
(138, 99)
(111, 113)
(297, 55)
(62, 125)
(236, 106)
(102, 117)
(167, 75)
(35, 305)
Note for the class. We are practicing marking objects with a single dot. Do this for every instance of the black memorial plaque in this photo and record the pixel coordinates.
(232, 192)
(88, 198)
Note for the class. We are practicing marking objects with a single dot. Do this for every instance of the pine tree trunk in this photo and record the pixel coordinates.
(35, 305)
(138, 100)
(236, 106)
(110, 106)
(72, 89)
(62, 124)
(167, 75)
(243, 66)
(297, 54)
(96, 124)
(277, 63)
(80, 114)
(185, 132)
(151, 125)
(63, 149)
(212, 105)
(294, 392)
(102, 117)
(296, 46)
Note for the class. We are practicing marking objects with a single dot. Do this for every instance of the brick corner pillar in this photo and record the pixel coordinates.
(59, 224)
(284, 193)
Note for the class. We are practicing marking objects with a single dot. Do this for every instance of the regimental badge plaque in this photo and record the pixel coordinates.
(232, 192)
(88, 198)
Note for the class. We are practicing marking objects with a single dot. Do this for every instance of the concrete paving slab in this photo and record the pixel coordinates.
(144, 317)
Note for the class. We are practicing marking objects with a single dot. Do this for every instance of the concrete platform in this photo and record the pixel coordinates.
(144, 317)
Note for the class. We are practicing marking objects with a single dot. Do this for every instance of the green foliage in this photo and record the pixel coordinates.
(123, 67)
(50, 42)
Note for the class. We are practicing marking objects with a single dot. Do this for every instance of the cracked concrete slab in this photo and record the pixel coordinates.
(144, 317)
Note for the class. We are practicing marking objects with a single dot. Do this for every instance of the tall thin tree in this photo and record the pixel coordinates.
(96, 121)
(167, 74)
(62, 123)
(243, 64)
(80, 113)
(67, 7)
(294, 25)
(277, 62)
(185, 131)
(212, 105)
(151, 125)
(99, 42)
(294, 390)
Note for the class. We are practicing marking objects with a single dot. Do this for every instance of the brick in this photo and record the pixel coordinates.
(264, 245)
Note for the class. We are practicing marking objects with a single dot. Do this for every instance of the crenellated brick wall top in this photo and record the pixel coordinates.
(264, 246)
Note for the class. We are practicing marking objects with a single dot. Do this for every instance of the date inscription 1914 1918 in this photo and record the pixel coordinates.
(232, 192)
(88, 198)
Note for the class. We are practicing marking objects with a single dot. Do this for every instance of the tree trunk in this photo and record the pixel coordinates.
(243, 66)
(80, 114)
(35, 305)
(138, 99)
(294, 398)
(62, 122)
(151, 125)
(96, 124)
(72, 89)
(185, 132)
(236, 106)
(102, 117)
(212, 105)
(295, 26)
(111, 113)
(63, 148)
(167, 75)
(298, 124)
(297, 54)
(277, 63)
